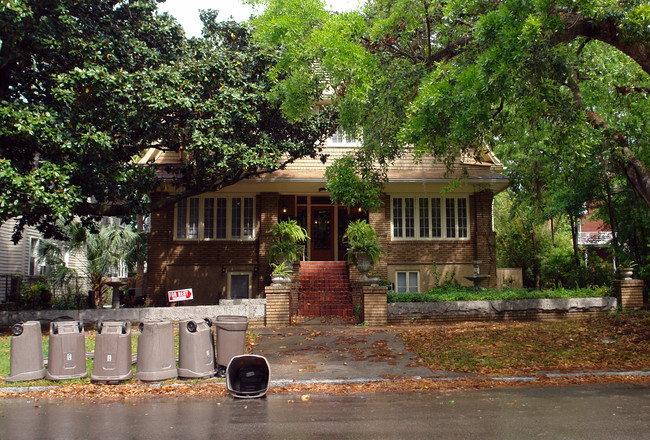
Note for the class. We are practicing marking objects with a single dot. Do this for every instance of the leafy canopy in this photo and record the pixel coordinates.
(87, 87)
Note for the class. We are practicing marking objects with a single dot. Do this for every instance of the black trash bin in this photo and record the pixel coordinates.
(26, 352)
(231, 339)
(112, 353)
(248, 376)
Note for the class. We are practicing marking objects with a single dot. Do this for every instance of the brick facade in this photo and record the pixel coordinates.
(205, 265)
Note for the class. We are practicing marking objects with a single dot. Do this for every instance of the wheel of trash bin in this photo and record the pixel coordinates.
(80, 325)
(17, 329)
(100, 325)
(208, 321)
(191, 326)
(124, 328)
(141, 327)
(55, 328)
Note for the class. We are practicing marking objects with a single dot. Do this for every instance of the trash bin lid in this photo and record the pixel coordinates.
(232, 322)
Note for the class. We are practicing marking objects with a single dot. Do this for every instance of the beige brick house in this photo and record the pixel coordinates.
(217, 243)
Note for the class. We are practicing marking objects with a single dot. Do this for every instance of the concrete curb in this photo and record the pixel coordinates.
(287, 382)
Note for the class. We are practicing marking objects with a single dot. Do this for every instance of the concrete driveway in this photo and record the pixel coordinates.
(337, 353)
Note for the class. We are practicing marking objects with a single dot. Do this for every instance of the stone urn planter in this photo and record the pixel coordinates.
(364, 264)
(627, 273)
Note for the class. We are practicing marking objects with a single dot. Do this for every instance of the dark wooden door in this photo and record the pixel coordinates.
(322, 233)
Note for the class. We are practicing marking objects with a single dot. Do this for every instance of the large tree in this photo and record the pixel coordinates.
(564, 78)
(87, 87)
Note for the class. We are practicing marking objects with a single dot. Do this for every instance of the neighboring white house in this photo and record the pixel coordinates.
(19, 263)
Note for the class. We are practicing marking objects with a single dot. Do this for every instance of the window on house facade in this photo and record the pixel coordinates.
(428, 218)
(215, 218)
(239, 285)
(36, 265)
(341, 138)
(407, 281)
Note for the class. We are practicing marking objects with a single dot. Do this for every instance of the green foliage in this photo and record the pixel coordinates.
(557, 89)
(37, 296)
(350, 184)
(360, 237)
(468, 294)
(88, 87)
(288, 239)
(103, 248)
(280, 269)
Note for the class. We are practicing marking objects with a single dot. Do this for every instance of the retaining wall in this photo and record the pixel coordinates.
(254, 309)
(523, 309)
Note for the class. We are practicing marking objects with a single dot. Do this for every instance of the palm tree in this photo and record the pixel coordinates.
(102, 249)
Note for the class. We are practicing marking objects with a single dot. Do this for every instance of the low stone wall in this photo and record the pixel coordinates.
(254, 309)
(530, 309)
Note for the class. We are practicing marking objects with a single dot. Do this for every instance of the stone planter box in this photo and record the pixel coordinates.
(496, 310)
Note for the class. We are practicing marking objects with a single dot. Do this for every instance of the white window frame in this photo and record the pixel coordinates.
(36, 267)
(342, 139)
(196, 230)
(250, 282)
(414, 224)
(407, 278)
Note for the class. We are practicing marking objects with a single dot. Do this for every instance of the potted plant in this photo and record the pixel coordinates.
(288, 243)
(280, 274)
(363, 246)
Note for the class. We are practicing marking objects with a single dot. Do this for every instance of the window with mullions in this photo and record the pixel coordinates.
(215, 218)
(407, 281)
(427, 218)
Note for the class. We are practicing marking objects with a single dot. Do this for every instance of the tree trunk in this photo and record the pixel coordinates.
(536, 269)
(574, 238)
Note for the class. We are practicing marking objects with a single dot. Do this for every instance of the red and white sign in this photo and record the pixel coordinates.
(180, 295)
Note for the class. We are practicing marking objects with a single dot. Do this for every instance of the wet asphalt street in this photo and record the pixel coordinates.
(588, 412)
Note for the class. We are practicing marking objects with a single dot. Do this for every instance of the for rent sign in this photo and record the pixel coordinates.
(180, 295)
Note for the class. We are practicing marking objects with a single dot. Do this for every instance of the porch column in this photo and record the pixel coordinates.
(278, 310)
(375, 306)
(268, 206)
(629, 293)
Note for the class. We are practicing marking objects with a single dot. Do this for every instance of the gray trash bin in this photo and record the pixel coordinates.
(112, 353)
(26, 352)
(231, 339)
(156, 353)
(196, 349)
(248, 376)
(67, 351)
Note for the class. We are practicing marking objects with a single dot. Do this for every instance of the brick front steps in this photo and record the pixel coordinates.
(324, 289)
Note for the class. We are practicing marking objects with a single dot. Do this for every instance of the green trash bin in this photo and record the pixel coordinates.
(231, 339)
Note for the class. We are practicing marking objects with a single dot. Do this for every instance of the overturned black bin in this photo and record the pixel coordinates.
(248, 376)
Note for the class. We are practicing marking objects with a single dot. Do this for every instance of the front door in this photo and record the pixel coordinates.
(322, 233)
